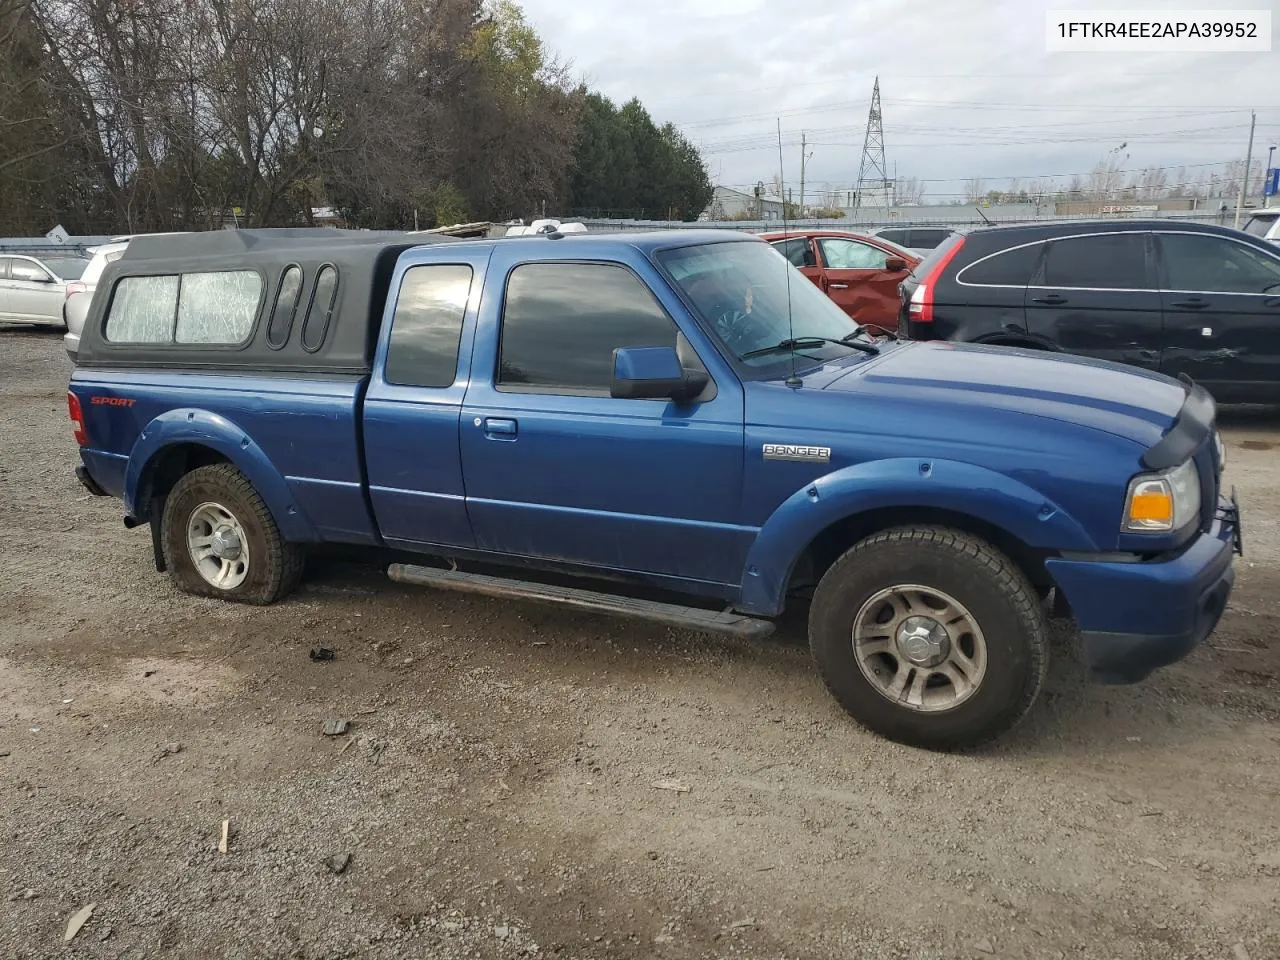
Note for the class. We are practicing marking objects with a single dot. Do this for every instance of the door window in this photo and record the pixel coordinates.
(1108, 261)
(4, 268)
(26, 270)
(1011, 268)
(1196, 262)
(794, 250)
(562, 322)
(427, 326)
(840, 254)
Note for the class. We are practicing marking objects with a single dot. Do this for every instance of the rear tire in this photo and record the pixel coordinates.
(930, 637)
(220, 540)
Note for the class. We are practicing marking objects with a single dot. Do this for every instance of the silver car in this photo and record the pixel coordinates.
(34, 289)
(1264, 224)
(80, 295)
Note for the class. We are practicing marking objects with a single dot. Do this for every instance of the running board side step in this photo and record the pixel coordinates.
(688, 618)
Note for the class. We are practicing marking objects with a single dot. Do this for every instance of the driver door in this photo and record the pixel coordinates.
(858, 281)
(1221, 304)
(801, 253)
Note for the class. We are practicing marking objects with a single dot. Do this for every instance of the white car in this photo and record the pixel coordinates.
(80, 292)
(1265, 224)
(34, 289)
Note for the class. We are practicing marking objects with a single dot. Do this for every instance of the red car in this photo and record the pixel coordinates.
(859, 272)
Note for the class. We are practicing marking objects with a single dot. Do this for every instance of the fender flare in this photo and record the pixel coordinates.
(907, 482)
(212, 430)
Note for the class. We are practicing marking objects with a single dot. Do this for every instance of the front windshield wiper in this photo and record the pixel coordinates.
(795, 343)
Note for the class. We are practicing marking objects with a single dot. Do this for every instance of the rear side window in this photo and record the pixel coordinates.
(562, 322)
(210, 308)
(1010, 268)
(900, 237)
(143, 310)
(217, 307)
(323, 297)
(427, 325)
(285, 307)
(1107, 261)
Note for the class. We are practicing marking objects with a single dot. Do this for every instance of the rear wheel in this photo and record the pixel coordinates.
(220, 540)
(930, 637)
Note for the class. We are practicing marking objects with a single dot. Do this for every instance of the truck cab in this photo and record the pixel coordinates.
(680, 417)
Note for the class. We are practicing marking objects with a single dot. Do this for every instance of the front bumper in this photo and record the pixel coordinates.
(1136, 616)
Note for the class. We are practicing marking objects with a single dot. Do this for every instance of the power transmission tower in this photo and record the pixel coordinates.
(873, 172)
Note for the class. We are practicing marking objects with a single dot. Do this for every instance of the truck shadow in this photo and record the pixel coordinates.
(1181, 705)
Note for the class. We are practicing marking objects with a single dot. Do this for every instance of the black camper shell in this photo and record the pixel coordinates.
(330, 330)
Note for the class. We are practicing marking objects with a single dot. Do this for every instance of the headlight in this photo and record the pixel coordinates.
(1163, 502)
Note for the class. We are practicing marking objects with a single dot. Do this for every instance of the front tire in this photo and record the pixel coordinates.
(220, 540)
(929, 637)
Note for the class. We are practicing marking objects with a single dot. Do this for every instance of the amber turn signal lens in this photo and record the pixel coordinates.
(1151, 506)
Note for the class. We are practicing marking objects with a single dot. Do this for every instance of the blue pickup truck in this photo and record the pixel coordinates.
(674, 426)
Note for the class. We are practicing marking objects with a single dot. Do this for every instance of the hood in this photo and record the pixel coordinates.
(1129, 402)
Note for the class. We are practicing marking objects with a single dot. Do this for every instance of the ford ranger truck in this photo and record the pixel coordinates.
(677, 424)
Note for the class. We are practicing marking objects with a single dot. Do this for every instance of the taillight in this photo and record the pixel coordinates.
(76, 286)
(920, 307)
(77, 419)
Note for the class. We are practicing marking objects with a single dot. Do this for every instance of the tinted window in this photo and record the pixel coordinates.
(1012, 268)
(562, 322)
(927, 239)
(1106, 260)
(323, 296)
(1216, 265)
(840, 254)
(70, 269)
(793, 250)
(142, 310)
(902, 237)
(1258, 226)
(285, 307)
(427, 325)
(218, 307)
(26, 270)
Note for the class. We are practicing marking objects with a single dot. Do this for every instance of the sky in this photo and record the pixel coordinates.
(967, 87)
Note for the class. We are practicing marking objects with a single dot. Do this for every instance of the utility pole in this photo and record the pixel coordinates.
(1248, 158)
(1266, 174)
(804, 156)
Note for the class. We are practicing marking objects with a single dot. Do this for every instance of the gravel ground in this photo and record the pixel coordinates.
(495, 790)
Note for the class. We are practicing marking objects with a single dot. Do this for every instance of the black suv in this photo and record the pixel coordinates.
(1174, 297)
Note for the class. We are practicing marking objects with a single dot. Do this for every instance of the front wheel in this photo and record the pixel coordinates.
(220, 540)
(929, 637)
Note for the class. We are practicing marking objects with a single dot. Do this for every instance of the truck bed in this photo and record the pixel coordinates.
(307, 428)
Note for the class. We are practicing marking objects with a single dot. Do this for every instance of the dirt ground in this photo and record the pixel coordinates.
(495, 790)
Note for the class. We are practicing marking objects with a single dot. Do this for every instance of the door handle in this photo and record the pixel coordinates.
(839, 286)
(1052, 300)
(1195, 303)
(499, 429)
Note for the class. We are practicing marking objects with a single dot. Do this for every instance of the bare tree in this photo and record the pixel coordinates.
(974, 190)
(908, 191)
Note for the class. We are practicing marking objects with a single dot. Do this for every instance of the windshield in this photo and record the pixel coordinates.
(741, 290)
(1258, 226)
(66, 269)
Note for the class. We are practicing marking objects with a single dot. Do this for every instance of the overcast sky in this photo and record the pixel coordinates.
(967, 87)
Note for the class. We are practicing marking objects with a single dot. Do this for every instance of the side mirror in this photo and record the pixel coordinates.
(895, 264)
(809, 259)
(653, 373)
